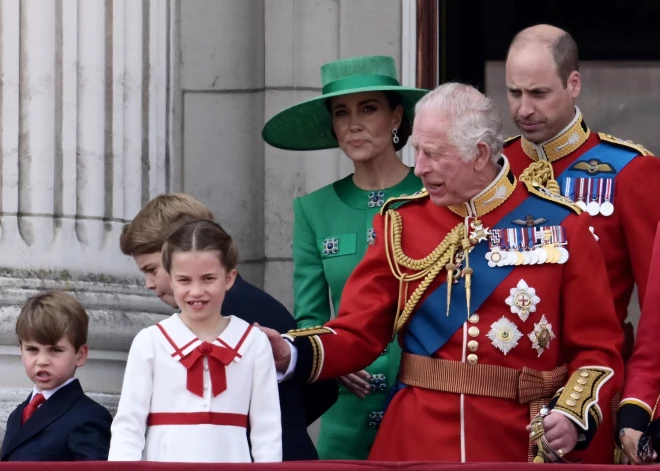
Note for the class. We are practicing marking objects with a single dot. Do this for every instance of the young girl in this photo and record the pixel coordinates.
(194, 381)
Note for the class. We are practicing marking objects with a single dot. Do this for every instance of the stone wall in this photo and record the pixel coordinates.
(242, 62)
(83, 111)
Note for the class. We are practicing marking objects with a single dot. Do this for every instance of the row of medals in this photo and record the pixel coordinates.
(535, 256)
(552, 251)
(593, 195)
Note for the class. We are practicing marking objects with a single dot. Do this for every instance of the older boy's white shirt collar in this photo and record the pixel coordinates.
(47, 393)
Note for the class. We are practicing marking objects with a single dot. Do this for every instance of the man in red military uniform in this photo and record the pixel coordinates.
(642, 387)
(525, 329)
(607, 177)
(610, 178)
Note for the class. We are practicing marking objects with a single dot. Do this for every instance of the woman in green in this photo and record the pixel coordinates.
(364, 111)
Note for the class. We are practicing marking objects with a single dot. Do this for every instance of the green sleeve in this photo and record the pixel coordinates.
(311, 298)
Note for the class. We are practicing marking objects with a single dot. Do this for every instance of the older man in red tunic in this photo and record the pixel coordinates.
(500, 322)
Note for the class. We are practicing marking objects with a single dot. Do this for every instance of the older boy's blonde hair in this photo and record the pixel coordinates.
(48, 317)
(155, 222)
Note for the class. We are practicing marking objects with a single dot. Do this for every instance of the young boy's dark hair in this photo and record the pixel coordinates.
(48, 317)
(57, 421)
(159, 218)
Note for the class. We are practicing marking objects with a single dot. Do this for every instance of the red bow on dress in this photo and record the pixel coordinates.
(218, 358)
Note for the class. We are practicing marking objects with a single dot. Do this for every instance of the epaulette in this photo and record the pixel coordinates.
(539, 180)
(309, 331)
(511, 140)
(398, 201)
(623, 143)
(545, 193)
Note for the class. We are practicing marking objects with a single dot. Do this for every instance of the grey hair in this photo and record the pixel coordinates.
(474, 118)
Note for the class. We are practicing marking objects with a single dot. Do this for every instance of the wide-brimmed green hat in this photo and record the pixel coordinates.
(308, 125)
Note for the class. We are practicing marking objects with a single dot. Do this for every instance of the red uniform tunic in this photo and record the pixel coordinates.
(642, 387)
(426, 424)
(625, 237)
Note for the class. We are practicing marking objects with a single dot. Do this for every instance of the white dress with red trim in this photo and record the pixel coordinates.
(184, 400)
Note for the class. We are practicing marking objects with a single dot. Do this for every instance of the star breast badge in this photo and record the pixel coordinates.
(504, 335)
(523, 300)
(541, 335)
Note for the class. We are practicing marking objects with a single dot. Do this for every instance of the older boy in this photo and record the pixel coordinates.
(143, 240)
(57, 422)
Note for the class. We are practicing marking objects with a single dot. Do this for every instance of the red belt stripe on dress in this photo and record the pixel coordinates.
(197, 418)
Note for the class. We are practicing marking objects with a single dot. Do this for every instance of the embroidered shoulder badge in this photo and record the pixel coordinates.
(398, 201)
(621, 142)
(593, 167)
(529, 221)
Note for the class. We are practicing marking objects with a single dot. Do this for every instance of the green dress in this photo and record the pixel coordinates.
(332, 230)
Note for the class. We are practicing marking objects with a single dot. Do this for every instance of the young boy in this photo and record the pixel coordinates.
(143, 240)
(57, 422)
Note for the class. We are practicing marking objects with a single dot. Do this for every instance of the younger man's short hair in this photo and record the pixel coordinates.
(48, 317)
(155, 222)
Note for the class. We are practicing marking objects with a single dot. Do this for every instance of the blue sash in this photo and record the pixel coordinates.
(430, 327)
(617, 157)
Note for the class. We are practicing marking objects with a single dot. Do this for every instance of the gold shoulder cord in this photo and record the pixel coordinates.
(427, 268)
(539, 178)
(541, 173)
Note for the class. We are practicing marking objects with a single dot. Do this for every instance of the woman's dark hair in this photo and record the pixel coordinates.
(200, 236)
(393, 100)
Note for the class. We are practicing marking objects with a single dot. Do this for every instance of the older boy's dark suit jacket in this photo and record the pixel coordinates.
(69, 426)
(300, 405)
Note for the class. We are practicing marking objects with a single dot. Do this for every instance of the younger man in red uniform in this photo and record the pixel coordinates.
(610, 178)
(607, 177)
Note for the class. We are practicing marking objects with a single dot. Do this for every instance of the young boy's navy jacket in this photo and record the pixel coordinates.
(69, 426)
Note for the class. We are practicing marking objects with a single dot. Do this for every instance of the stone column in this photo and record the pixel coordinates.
(84, 133)
(222, 112)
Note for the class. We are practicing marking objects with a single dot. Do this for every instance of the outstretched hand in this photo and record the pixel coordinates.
(280, 347)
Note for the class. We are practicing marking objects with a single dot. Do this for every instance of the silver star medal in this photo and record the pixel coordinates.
(523, 300)
(504, 335)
